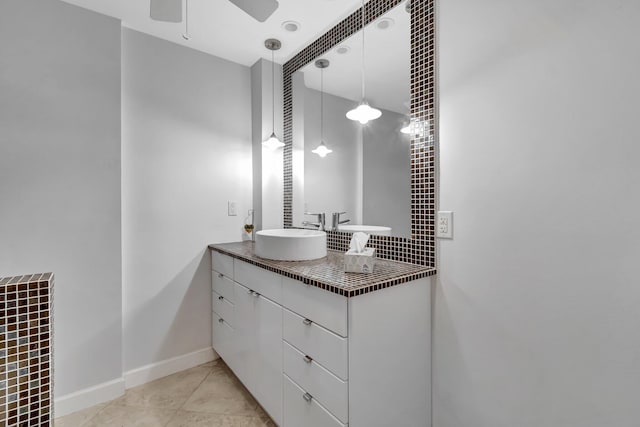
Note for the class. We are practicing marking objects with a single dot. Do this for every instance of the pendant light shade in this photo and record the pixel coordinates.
(322, 150)
(273, 142)
(363, 113)
(414, 128)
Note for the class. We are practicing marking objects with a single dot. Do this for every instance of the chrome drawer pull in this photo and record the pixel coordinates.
(220, 320)
(220, 298)
(307, 359)
(307, 322)
(307, 397)
(250, 292)
(220, 275)
(255, 294)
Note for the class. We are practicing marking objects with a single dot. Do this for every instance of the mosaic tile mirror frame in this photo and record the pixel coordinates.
(420, 248)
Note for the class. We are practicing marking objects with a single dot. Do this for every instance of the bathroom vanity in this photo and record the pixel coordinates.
(318, 347)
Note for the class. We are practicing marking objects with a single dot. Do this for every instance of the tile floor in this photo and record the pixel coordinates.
(207, 395)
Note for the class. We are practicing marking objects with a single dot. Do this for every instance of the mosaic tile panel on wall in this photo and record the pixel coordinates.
(420, 248)
(26, 365)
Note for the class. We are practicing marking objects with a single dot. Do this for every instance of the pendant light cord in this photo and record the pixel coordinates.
(321, 105)
(363, 83)
(273, 93)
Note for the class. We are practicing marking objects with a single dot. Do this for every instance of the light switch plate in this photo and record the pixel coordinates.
(232, 208)
(444, 226)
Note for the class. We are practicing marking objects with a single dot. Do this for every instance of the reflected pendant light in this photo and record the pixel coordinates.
(322, 149)
(363, 113)
(273, 142)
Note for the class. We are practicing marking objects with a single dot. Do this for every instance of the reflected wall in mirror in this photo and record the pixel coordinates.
(367, 174)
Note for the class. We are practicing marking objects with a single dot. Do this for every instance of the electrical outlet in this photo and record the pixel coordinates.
(232, 208)
(444, 227)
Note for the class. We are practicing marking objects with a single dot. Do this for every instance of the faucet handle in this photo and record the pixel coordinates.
(310, 213)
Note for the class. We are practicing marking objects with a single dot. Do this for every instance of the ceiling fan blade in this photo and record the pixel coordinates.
(166, 10)
(258, 9)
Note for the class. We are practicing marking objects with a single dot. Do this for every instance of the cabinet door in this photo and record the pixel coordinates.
(242, 362)
(268, 318)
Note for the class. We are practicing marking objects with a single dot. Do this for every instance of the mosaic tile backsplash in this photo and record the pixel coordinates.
(420, 248)
(26, 364)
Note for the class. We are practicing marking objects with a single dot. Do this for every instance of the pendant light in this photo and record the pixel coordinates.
(273, 142)
(186, 35)
(322, 149)
(363, 113)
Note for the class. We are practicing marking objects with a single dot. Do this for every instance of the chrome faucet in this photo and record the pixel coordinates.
(335, 220)
(320, 224)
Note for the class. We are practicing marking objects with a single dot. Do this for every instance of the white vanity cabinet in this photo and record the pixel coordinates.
(314, 358)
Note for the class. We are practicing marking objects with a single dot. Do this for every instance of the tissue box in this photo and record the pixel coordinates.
(362, 262)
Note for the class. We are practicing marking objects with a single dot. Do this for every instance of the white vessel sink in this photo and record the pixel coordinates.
(369, 229)
(291, 244)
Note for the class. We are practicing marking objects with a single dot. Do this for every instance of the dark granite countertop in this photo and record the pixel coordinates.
(328, 273)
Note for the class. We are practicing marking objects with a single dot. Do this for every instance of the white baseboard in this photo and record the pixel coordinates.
(88, 397)
(157, 370)
(105, 392)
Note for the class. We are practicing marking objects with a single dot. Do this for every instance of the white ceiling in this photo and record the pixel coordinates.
(387, 70)
(220, 28)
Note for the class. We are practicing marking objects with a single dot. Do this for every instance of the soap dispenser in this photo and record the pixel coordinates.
(249, 229)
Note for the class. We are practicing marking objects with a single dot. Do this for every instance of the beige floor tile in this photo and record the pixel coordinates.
(212, 363)
(222, 393)
(208, 395)
(195, 419)
(128, 416)
(78, 419)
(167, 393)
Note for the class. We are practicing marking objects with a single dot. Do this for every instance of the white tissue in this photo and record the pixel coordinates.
(358, 242)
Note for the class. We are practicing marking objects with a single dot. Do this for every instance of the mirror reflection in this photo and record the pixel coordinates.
(362, 170)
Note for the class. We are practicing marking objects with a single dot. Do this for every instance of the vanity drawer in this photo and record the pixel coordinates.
(223, 285)
(301, 409)
(264, 282)
(223, 338)
(223, 308)
(323, 346)
(322, 307)
(328, 389)
(222, 263)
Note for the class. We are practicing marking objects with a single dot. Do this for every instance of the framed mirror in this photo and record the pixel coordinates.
(366, 174)
(378, 174)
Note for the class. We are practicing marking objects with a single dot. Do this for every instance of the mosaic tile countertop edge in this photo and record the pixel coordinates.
(328, 273)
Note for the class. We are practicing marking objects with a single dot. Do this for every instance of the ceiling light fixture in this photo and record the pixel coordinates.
(363, 113)
(322, 149)
(273, 142)
(291, 26)
(385, 23)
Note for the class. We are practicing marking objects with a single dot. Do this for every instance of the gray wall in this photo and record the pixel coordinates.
(186, 151)
(387, 174)
(60, 176)
(268, 179)
(537, 305)
(332, 183)
(368, 176)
